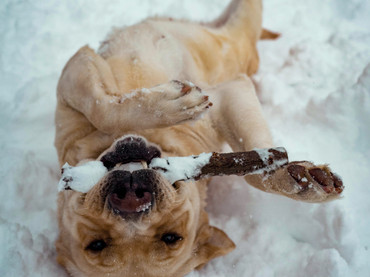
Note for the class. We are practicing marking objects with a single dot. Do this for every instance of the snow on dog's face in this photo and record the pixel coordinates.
(133, 222)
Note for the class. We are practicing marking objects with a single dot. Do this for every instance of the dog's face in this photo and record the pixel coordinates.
(135, 223)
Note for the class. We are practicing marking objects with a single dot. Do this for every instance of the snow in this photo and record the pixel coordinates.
(180, 168)
(265, 154)
(82, 177)
(190, 84)
(314, 85)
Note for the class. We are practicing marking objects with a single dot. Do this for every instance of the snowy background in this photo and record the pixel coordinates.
(314, 83)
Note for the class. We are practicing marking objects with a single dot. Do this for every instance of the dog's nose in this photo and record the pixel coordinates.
(130, 194)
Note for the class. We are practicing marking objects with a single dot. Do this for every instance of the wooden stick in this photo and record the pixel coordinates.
(258, 161)
(82, 178)
(243, 163)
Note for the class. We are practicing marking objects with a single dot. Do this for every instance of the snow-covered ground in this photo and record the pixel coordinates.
(314, 83)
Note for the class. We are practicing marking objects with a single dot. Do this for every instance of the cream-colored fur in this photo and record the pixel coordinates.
(127, 88)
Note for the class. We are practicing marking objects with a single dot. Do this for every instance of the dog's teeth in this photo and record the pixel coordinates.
(144, 164)
(144, 207)
(133, 166)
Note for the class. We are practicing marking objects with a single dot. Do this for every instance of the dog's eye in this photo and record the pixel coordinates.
(97, 245)
(175, 186)
(171, 238)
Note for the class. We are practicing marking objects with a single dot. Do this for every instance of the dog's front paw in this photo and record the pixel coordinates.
(308, 182)
(179, 102)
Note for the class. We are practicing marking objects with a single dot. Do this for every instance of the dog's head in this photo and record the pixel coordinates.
(133, 222)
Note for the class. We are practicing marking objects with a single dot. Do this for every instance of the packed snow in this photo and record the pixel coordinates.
(313, 82)
(82, 177)
(180, 168)
(265, 154)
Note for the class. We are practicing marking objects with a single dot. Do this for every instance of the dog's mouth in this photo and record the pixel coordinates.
(128, 150)
(131, 188)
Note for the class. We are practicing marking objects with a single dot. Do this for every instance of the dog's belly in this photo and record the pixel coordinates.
(145, 55)
(142, 56)
(154, 52)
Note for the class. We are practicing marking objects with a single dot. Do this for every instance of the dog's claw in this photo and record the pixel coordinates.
(186, 89)
(190, 100)
(172, 103)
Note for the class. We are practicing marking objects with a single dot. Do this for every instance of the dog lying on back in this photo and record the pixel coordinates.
(135, 100)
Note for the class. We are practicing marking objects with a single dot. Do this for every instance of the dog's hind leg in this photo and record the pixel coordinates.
(238, 118)
(241, 17)
(242, 21)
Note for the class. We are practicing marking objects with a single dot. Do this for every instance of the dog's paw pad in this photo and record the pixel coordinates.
(328, 181)
(323, 179)
(314, 177)
(298, 173)
(338, 183)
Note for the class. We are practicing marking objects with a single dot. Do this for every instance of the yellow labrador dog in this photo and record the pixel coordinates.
(135, 100)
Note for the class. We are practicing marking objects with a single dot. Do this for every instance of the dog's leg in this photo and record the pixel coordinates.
(239, 15)
(87, 85)
(238, 116)
(243, 20)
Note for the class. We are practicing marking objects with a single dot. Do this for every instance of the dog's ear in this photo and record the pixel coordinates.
(210, 243)
(267, 34)
(217, 244)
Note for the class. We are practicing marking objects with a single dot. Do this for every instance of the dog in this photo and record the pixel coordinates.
(139, 97)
